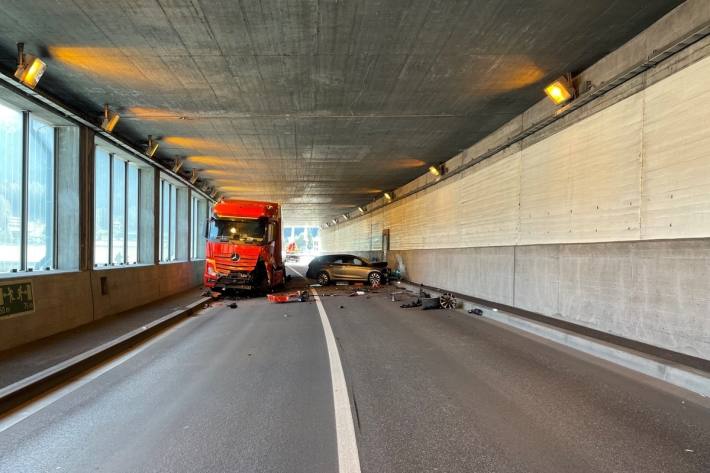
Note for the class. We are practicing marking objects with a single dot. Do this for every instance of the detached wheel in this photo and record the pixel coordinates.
(323, 278)
(447, 301)
(375, 279)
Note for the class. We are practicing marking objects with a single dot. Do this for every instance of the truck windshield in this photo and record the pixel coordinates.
(249, 231)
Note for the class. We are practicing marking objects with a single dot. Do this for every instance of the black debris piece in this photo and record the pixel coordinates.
(476, 311)
(431, 303)
(411, 305)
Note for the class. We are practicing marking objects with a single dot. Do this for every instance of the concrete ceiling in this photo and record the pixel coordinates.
(318, 104)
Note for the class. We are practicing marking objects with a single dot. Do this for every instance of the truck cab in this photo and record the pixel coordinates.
(243, 249)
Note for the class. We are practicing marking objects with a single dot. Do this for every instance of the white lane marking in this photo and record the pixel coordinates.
(37, 404)
(348, 459)
(297, 272)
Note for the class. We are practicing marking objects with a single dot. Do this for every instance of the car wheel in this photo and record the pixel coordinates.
(375, 279)
(323, 278)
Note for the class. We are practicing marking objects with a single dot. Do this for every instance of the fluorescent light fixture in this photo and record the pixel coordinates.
(434, 171)
(560, 91)
(362, 211)
(152, 146)
(29, 68)
(345, 216)
(388, 196)
(334, 221)
(110, 119)
(194, 176)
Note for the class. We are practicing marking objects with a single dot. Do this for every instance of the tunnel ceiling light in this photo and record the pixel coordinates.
(345, 216)
(434, 170)
(29, 68)
(334, 221)
(194, 177)
(109, 120)
(152, 146)
(362, 211)
(177, 165)
(560, 91)
(388, 195)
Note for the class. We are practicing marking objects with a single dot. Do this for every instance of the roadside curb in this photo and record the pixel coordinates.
(676, 374)
(21, 391)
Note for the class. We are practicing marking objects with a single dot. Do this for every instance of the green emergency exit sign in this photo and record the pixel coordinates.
(16, 298)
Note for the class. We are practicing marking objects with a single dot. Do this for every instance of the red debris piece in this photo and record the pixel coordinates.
(298, 296)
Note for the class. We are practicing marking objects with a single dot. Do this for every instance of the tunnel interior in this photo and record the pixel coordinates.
(252, 203)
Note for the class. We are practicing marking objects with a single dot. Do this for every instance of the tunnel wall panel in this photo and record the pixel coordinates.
(69, 299)
(677, 155)
(651, 291)
(486, 271)
(62, 301)
(583, 183)
(604, 221)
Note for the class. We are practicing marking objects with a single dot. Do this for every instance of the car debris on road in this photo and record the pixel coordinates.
(297, 296)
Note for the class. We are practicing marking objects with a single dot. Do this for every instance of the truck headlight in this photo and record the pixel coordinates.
(211, 267)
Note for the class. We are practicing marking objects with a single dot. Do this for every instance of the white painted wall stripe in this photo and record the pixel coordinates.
(348, 459)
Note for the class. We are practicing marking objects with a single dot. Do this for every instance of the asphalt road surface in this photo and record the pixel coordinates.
(249, 390)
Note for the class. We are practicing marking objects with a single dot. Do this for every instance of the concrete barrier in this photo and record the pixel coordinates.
(17, 393)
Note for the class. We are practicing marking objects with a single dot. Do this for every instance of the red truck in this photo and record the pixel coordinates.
(244, 247)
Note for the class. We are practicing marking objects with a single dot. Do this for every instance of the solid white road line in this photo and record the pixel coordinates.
(297, 272)
(348, 459)
(37, 404)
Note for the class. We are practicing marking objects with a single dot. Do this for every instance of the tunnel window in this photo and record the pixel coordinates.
(132, 190)
(102, 210)
(173, 223)
(173, 216)
(40, 190)
(10, 189)
(39, 196)
(28, 191)
(164, 220)
(116, 211)
(198, 213)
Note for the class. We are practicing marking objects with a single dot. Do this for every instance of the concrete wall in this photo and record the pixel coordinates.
(601, 219)
(636, 170)
(654, 292)
(65, 300)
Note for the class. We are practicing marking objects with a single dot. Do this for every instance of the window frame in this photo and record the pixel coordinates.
(127, 163)
(26, 117)
(171, 188)
(198, 208)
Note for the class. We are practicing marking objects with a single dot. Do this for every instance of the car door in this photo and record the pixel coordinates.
(337, 268)
(358, 269)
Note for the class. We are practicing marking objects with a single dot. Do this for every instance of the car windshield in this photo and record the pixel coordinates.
(243, 230)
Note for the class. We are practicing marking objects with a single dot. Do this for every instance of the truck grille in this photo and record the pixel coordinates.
(225, 265)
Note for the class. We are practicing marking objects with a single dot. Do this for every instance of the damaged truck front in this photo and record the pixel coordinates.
(244, 247)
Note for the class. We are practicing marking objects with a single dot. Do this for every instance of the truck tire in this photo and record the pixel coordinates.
(323, 278)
